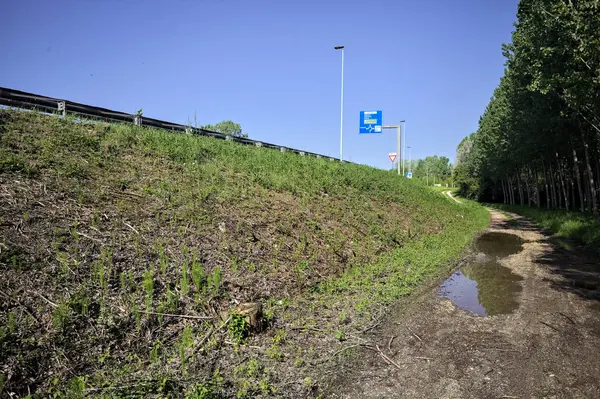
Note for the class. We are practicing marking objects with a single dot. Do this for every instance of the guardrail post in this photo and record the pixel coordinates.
(62, 108)
(282, 149)
(318, 157)
(229, 138)
(188, 130)
(302, 153)
(332, 159)
(137, 120)
(258, 144)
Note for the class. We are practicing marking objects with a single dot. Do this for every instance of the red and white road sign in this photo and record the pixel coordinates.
(392, 156)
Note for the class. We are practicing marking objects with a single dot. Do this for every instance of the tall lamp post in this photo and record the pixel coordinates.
(404, 151)
(341, 105)
(400, 153)
(409, 161)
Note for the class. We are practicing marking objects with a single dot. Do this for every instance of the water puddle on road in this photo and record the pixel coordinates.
(485, 287)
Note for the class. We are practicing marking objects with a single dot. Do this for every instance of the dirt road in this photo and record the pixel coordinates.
(546, 346)
(449, 194)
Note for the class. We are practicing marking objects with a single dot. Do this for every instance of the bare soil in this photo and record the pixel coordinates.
(548, 347)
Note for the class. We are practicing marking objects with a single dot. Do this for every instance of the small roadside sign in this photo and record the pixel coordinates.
(392, 156)
(409, 175)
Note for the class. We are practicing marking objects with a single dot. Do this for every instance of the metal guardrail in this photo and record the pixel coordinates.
(24, 100)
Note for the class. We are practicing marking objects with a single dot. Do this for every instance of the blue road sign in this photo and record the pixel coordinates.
(371, 122)
(409, 175)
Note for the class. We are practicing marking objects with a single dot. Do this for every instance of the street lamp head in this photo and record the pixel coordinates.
(338, 47)
(402, 121)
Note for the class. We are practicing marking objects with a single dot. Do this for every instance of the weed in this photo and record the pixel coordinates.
(198, 275)
(214, 281)
(187, 339)
(184, 283)
(60, 315)
(12, 325)
(238, 328)
(148, 287)
(154, 352)
(340, 336)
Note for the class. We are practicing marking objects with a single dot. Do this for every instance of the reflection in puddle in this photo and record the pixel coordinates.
(485, 287)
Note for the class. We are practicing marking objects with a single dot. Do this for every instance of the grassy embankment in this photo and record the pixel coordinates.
(111, 231)
(576, 226)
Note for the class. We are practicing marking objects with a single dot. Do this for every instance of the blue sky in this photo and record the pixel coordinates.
(270, 64)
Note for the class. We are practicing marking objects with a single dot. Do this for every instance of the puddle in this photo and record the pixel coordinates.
(485, 287)
(499, 245)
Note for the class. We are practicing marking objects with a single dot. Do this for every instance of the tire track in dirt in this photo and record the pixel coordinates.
(549, 346)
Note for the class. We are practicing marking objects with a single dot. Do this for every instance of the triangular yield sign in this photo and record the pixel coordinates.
(392, 156)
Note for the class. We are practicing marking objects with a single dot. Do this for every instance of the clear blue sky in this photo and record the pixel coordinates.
(270, 64)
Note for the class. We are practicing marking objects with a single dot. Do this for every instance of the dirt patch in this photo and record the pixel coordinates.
(548, 347)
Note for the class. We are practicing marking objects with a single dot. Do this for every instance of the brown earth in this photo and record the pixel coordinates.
(548, 348)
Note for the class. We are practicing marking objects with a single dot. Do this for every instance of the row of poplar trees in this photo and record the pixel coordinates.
(538, 141)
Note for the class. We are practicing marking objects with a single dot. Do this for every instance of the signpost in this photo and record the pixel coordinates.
(409, 175)
(371, 122)
(392, 156)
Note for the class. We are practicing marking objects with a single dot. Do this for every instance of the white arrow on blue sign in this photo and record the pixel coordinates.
(371, 122)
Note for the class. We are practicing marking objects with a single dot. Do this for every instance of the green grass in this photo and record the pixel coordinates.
(582, 228)
(111, 224)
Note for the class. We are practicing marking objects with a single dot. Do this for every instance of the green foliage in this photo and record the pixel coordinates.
(581, 228)
(184, 283)
(214, 281)
(227, 127)
(198, 275)
(538, 141)
(148, 284)
(238, 328)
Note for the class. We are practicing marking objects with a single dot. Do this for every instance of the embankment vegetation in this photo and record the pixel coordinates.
(136, 261)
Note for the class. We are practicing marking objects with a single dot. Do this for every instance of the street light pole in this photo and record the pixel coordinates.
(341, 105)
(409, 161)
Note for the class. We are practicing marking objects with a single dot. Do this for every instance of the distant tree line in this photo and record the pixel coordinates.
(432, 169)
(538, 141)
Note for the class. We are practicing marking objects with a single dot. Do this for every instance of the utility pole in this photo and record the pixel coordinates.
(404, 141)
(341, 105)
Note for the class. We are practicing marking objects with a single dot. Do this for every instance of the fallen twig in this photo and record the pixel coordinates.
(422, 357)
(44, 298)
(549, 325)
(387, 359)
(88, 237)
(132, 228)
(567, 317)
(182, 316)
(25, 307)
(369, 328)
(416, 336)
(390, 343)
(344, 349)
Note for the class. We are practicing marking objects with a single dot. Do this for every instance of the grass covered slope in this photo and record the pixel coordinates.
(110, 230)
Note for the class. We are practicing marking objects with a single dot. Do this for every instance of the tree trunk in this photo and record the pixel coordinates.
(520, 188)
(578, 177)
(553, 187)
(547, 188)
(503, 191)
(511, 191)
(588, 165)
(588, 199)
(528, 190)
(563, 185)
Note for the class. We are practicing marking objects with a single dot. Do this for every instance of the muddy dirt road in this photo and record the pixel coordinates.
(528, 326)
